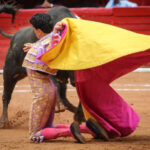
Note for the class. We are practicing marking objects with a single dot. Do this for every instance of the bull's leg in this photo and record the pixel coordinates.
(78, 119)
(10, 80)
(9, 85)
(79, 116)
(61, 94)
(61, 91)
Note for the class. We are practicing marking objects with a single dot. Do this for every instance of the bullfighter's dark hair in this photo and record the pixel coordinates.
(42, 21)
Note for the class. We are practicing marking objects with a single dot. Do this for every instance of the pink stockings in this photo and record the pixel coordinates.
(53, 133)
(60, 130)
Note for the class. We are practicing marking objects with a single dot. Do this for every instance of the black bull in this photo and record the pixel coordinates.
(13, 70)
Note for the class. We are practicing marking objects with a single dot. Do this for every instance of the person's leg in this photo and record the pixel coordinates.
(51, 117)
(44, 98)
(42, 112)
(60, 131)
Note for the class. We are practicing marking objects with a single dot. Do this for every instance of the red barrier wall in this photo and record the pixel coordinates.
(135, 19)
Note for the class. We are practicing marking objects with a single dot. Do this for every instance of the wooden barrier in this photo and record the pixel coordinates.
(135, 19)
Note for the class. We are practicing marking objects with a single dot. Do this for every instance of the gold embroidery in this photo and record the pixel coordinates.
(37, 44)
(28, 56)
(41, 90)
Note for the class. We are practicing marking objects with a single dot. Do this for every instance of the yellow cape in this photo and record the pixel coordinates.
(88, 44)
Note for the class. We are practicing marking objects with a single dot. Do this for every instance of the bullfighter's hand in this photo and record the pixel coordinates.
(58, 26)
(27, 46)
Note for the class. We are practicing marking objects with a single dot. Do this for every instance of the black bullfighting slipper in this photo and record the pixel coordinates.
(98, 130)
(75, 131)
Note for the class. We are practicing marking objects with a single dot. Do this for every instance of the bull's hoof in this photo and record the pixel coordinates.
(4, 124)
(75, 130)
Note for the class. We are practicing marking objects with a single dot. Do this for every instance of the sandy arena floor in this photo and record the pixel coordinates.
(134, 87)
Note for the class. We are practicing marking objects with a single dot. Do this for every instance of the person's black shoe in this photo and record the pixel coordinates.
(75, 130)
(98, 130)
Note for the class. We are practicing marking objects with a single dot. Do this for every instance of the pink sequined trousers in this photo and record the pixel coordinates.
(43, 104)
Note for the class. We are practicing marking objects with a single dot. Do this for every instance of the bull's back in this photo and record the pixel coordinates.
(59, 13)
(15, 53)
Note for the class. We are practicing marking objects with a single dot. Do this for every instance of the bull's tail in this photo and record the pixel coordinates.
(6, 34)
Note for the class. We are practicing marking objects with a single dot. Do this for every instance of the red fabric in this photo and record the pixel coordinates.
(94, 92)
